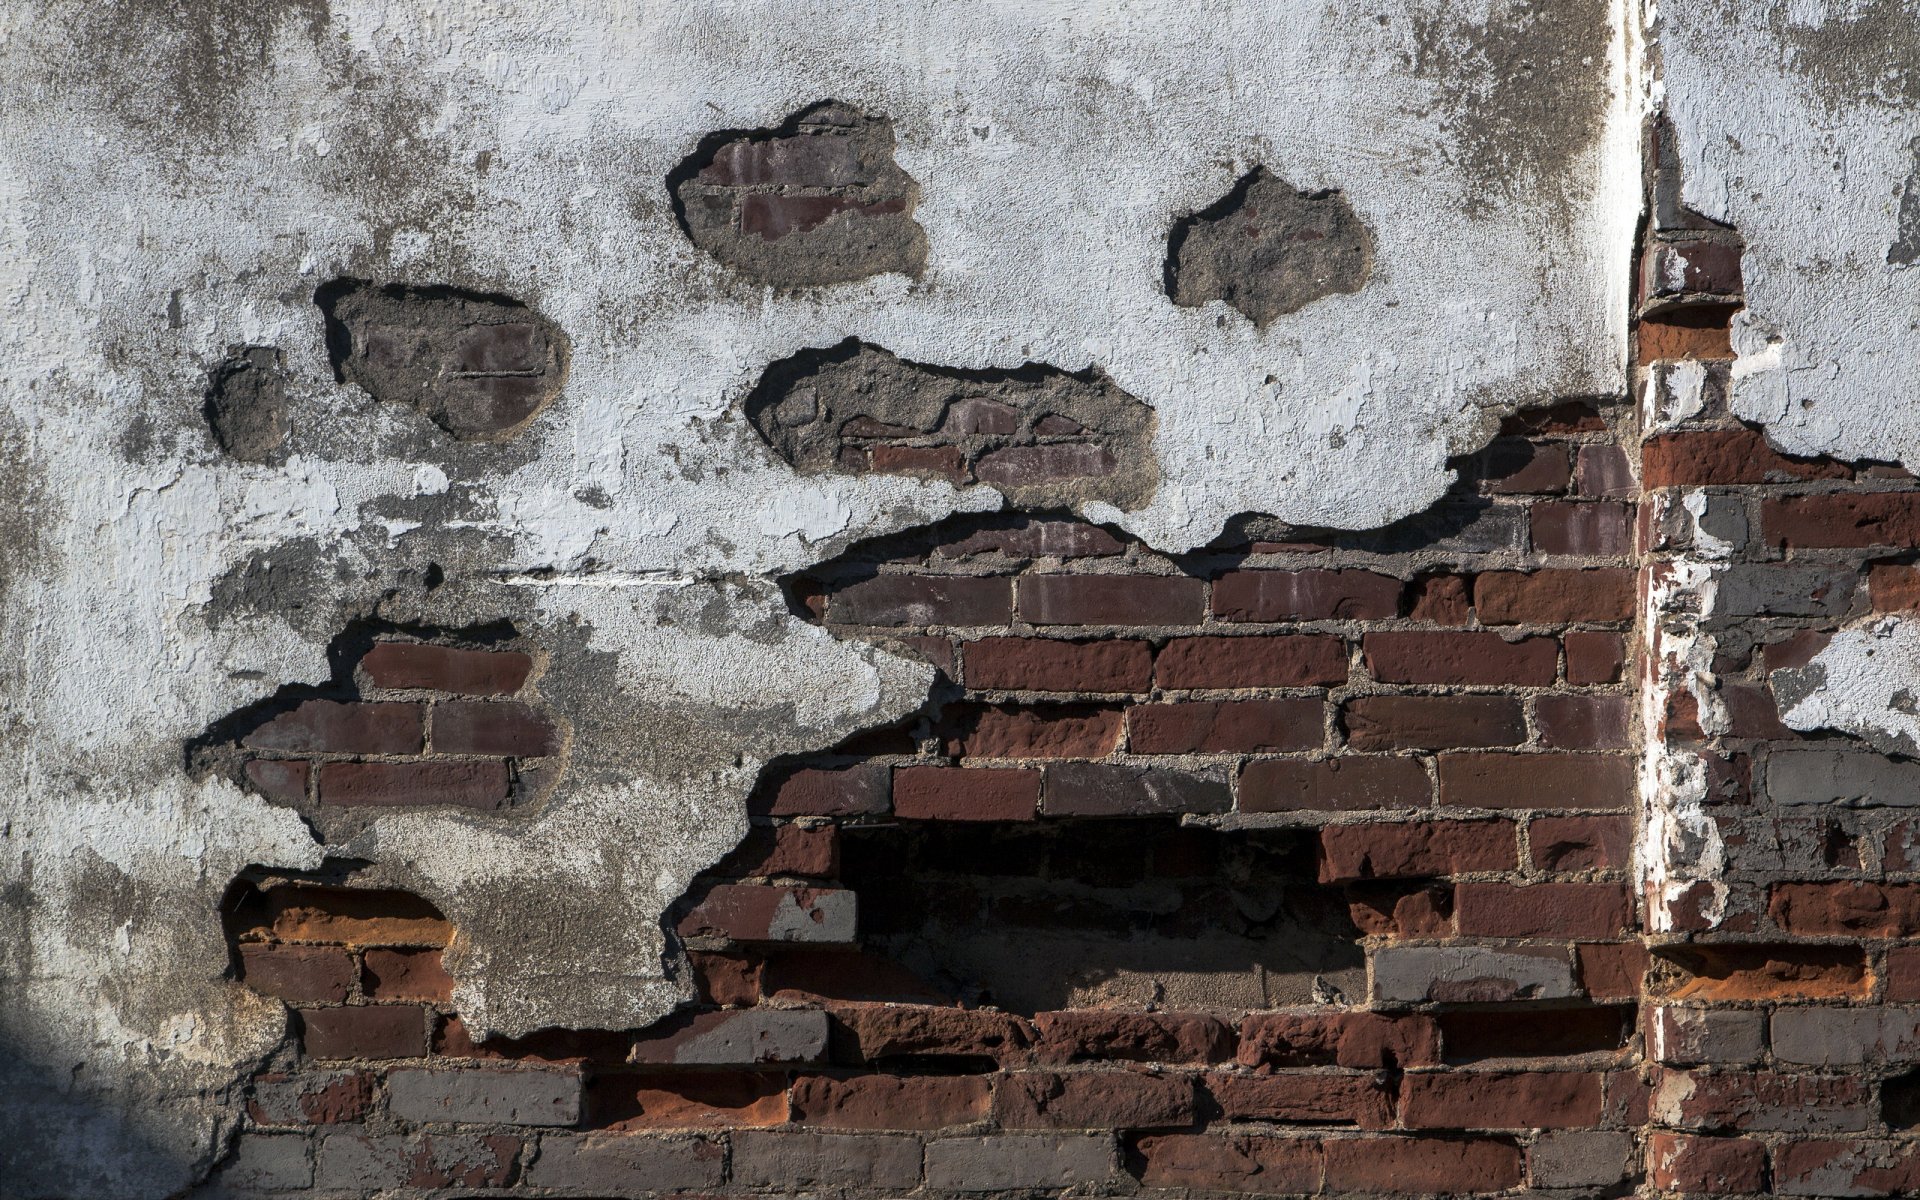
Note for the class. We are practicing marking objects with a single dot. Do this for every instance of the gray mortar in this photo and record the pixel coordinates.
(247, 404)
(1268, 249)
(802, 403)
(846, 246)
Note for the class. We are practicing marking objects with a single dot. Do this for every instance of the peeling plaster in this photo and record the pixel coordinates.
(1865, 682)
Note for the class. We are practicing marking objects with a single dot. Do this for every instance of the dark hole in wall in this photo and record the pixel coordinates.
(1900, 1101)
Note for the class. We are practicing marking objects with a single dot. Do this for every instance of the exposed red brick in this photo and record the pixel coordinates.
(825, 793)
(923, 600)
(1051, 665)
(1849, 909)
(964, 794)
(1582, 722)
(1516, 467)
(604, 1048)
(1554, 910)
(1112, 599)
(1594, 657)
(940, 462)
(1543, 1034)
(1018, 466)
(1554, 597)
(1432, 722)
(1580, 843)
(1459, 658)
(1895, 587)
(364, 1031)
(1411, 1166)
(1226, 726)
(786, 849)
(1587, 527)
(1903, 973)
(502, 727)
(889, 1101)
(1340, 784)
(1100, 1035)
(1442, 599)
(1749, 1100)
(1846, 519)
(1758, 972)
(1093, 1100)
(1501, 1100)
(765, 912)
(446, 668)
(1361, 1100)
(1678, 1162)
(303, 974)
(1423, 910)
(355, 916)
(726, 979)
(1725, 456)
(342, 727)
(1306, 596)
(1365, 1041)
(875, 1033)
(1700, 333)
(406, 975)
(1604, 472)
(1234, 1163)
(315, 1098)
(1491, 780)
(463, 784)
(1569, 416)
(811, 977)
(1041, 731)
(1286, 660)
(1847, 1168)
(1416, 849)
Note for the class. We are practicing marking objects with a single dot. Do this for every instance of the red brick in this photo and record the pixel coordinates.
(796, 977)
(1361, 1100)
(1423, 910)
(941, 462)
(876, 1033)
(502, 727)
(1411, 1166)
(845, 792)
(1605, 473)
(725, 979)
(1112, 599)
(1287, 660)
(1034, 537)
(1233, 1163)
(1556, 780)
(1903, 973)
(604, 1048)
(922, 600)
(1432, 722)
(1306, 596)
(342, 727)
(1698, 331)
(1582, 722)
(1746, 1101)
(1442, 599)
(1050, 665)
(1364, 1041)
(686, 1099)
(276, 779)
(365, 1031)
(1553, 597)
(465, 784)
(1093, 1100)
(1725, 456)
(1416, 850)
(1895, 587)
(1459, 658)
(312, 1098)
(1552, 910)
(774, 215)
(1569, 416)
(1342, 784)
(1226, 726)
(771, 913)
(1100, 1035)
(964, 794)
(1843, 520)
(1677, 1162)
(304, 974)
(1594, 657)
(1501, 1100)
(889, 1101)
(356, 916)
(1759, 972)
(785, 849)
(406, 975)
(1847, 909)
(1613, 970)
(446, 668)
(1589, 527)
(1041, 731)
(1512, 466)
(1580, 843)
(1847, 1168)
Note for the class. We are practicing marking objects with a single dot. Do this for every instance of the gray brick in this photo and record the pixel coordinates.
(1782, 591)
(1412, 974)
(747, 1037)
(792, 1159)
(1580, 1158)
(1112, 790)
(1835, 1037)
(358, 1164)
(612, 1163)
(267, 1163)
(1457, 526)
(1852, 777)
(991, 1164)
(509, 1097)
(1684, 1036)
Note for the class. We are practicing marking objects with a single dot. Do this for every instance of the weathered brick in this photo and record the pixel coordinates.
(993, 1164)
(482, 785)
(1722, 457)
(280, 779)
(786, 849)
(1037, 731)
(1554, 910)
(1225, 726)
(1416, 849)
(1751, 972)
(356, 916)
(1306, 596)
(500, 727)
(1285, 660)
(474, 1096)
(372, 1031)
(1852, 909)
(726, 979)
(1581, 1158)
(1903, 973)
(825, 793)
(362, 1165)
(1052, 665)
(695, 1099)
(1515, 466)
(1034, 537)
(1556, 780)
(261, 1163)
(1432, 722)
(342, 727)
(1342, 784)
(1460, 658)
(1582, 722)
(1361, 1100)
(941, 462)
(1115, 790)
(1413, 1166)
(1855, 778)
(1855, 1167)
(405, 975)
(1764, 1101)
(1553, 597)
(304, 974)
(741, 1038)
(1605, 473)
(1612, 970)
(1678, 1162)
(1101, 1035)
(1231, 1163)
(310, 1098)
(1846, 1037)
(1594, 657)
(1093, 1100)
(1470, 974)
(1601, 843)
(1843, 520)
(890, 1101)
(1695, 1036)
(922, 600)
(446, 668)
(1586, 527)
(610, 1163)
(1894, 587)
(1019, 466)
(965, 794)
(1112, 599)
(1419, 910)
(878, 1033)
(1442, 599)
(1355, 1040)
(1501, 1100)
(765, 913)
(797, 1159)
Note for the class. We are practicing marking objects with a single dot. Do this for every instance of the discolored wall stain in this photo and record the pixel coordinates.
(247, 404)
(1268, 249)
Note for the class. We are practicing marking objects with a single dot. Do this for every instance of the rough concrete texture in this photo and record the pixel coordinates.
(247, 404)
(1794, 125)
(180, 179)
(1268, 249)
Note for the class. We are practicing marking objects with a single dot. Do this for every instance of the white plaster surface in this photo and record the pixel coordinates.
(1866, 682)
(176, 180)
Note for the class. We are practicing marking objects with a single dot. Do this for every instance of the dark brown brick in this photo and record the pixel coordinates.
(501, 727)
(1414, 850)
(1594, 657)
(1432, 722)
(1725, 456)
(278, 779)
(1580, 843)
(1093, 1100)
(1364, 1041)
(1460, 658)
(1231, 1163)
(1341, 784)
(1493, 780)
(1287, 660)
(1679, 1162)
(1553, 597)
(406, 975)
(1589, 527)
(1226, 726)
(1550, 910)
(1101, 1035)
(1306, 596)
(1360, 1100)
(1037, 731)
(922, 600)
(446, 668)
(302, 974)
(965, 794)
(1416, 1166)
(1501, 1100)
(1115, 790)
(1049, 665)
(1843, 520)
(1035, 538)
(464, 784)
(825, 793)
(1582, 722)
(1112, 600)
(342, 727)
(889, 1101)
(364, 1031)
